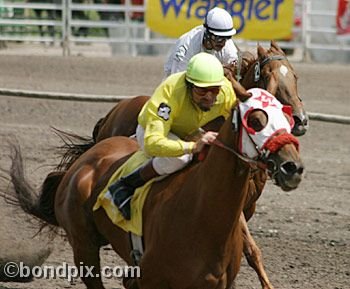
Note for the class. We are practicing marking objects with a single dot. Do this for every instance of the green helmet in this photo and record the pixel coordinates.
(205, 70)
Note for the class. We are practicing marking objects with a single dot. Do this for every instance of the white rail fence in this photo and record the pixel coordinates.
(67, 22)
(116, 98)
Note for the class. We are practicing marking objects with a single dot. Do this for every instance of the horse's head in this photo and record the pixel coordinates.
(273, 72)
(265, 136)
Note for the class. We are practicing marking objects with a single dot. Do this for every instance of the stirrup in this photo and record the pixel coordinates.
(121, 196)
(125, 208)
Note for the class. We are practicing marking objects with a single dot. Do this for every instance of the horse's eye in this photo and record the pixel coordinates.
(257, 120)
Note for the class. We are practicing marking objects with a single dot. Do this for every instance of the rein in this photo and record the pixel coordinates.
(256, 163)
(239, 65)
(272, 146)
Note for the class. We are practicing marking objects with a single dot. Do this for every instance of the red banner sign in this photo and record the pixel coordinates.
(343, 17)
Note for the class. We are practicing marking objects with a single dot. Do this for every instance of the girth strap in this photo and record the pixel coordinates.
(136, 248)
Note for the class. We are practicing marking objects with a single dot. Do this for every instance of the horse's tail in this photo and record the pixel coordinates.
(40, 206)
(74, 146)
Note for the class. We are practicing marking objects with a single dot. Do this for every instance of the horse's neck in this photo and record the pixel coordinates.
(248, 78)
(222, 185)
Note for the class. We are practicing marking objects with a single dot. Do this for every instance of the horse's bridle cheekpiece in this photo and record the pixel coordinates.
(259, 65)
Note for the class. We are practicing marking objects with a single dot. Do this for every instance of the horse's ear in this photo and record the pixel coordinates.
(275, 46)
(261, 51)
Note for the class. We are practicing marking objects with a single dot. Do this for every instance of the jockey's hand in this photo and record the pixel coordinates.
(241, 93)
(195, 136)
(206, 139)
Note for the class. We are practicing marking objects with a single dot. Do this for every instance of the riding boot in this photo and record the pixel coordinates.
(123, 189)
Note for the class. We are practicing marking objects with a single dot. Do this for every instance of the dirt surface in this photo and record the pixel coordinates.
(304, 234)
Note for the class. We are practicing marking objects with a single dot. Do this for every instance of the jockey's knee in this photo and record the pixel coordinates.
(167, 166)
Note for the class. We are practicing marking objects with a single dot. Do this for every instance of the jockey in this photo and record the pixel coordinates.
(181, 104)
(213, 37)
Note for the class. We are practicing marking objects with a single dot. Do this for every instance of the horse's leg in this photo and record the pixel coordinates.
(119, 240)
(129, 283)
(253, 255)
(87, 258)
(84, 239)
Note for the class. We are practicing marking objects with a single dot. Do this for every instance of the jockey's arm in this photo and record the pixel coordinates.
(157, 143)
(179, 62)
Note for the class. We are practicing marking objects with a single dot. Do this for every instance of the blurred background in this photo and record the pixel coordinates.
(308, 30)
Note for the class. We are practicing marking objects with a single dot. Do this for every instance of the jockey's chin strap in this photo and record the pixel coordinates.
(239, 66)
(252, 162)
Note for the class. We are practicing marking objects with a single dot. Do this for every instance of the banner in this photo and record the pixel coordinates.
(343, 18)
(253, 19)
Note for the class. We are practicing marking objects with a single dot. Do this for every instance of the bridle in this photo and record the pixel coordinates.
(256, 163)
(258, 66)
(261, 161)
(252, 162)
(271, 58)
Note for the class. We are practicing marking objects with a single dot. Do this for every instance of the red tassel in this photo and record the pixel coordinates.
(275, 143)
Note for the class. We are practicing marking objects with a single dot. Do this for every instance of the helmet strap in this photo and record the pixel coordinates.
(207, 41)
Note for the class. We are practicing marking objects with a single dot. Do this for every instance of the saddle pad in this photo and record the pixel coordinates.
(104, 199)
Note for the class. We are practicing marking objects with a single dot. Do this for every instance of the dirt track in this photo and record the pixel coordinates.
(304, 234)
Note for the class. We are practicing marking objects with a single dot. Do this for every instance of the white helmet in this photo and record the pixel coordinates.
(219, 22)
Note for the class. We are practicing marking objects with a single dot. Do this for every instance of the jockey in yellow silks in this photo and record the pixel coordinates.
(181, 104)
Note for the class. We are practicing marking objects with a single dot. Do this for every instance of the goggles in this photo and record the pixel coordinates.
(217, 38)
(202, 91)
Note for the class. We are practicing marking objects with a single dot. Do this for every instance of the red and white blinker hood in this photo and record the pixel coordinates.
(252, 142)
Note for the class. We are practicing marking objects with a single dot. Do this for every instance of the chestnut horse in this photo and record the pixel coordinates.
(191, 219)
(275, 74)
(270, 70)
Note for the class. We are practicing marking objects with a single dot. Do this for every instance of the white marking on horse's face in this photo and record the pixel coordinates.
(283, 70)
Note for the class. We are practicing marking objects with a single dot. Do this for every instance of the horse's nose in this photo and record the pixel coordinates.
(290, 175)
(301, 124)
(290, 168)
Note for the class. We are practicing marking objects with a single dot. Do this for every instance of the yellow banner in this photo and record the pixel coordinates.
(253, 19)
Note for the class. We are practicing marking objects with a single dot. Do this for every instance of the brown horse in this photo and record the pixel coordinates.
(270, 70)
(191, 219)
(276, 74)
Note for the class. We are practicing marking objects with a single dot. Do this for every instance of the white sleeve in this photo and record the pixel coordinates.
(186, 47)
(230, 52)
(180, 58)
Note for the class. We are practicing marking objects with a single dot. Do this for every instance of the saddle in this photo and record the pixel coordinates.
(105, 200)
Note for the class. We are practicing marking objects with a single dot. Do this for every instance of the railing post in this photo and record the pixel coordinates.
(129, 29)
(66, 18)
(305, 27)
